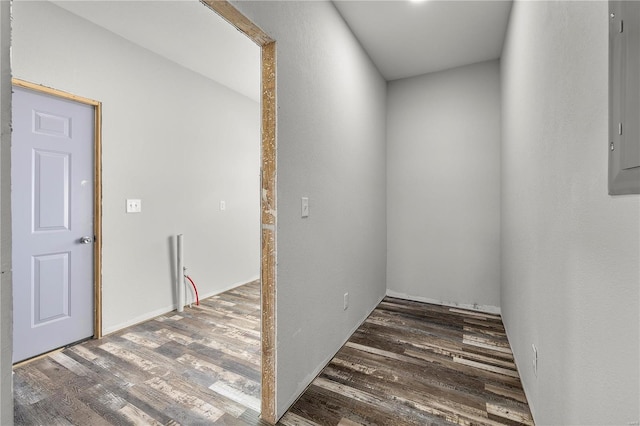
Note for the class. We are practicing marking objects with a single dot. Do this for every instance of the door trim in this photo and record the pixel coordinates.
(97, 191)
(268, 169)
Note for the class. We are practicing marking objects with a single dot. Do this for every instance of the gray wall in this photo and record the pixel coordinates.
(443, 187)
(571, 253)
(331, 148)
(171, 137)
(6, 317)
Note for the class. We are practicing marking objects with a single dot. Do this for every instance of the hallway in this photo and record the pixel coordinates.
(414, 363)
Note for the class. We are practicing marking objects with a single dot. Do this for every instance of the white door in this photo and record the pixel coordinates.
(52, 222)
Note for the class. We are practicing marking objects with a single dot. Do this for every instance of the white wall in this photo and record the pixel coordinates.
(443, 187)
(174, 139)
(571, 253)
(6, 318)
(331, 148)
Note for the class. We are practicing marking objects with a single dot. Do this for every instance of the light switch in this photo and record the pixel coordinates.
(134, 206)
(223, 205)
(305, 206)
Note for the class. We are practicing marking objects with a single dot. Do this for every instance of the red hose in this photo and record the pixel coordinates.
(194, 289)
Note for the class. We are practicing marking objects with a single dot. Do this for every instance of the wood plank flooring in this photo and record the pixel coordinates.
(200, 367)
(409, 363)
(417, 364)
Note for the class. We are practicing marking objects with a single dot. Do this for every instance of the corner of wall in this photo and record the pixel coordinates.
(312, 376)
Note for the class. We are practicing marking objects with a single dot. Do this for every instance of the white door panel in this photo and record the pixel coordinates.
(52, 210)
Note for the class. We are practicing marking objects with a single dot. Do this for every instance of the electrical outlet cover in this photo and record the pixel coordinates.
(134, 205)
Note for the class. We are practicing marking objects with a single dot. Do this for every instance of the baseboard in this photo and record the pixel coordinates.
(167, 309)
(140, 318)
(525, 384)
(487, 309)
(317, 372)
(216, 292)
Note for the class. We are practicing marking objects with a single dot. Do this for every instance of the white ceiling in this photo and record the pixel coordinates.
(183, 31)
(403, 38)
(406, 38)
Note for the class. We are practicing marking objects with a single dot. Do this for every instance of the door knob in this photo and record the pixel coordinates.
(86, 240)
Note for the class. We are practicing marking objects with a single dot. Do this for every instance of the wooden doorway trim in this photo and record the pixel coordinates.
(268, 199)
(97, 191)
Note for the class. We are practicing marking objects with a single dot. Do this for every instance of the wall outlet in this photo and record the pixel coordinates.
(134, 205)
(535, 359)
(346, 301)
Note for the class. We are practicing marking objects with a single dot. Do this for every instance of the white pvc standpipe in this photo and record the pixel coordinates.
(180, 277)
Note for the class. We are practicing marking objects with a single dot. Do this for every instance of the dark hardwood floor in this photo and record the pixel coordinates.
(409, 363)
(198, 367)
(417, 364)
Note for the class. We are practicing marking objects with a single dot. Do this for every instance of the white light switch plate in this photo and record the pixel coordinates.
(134, 206)
(305, 206)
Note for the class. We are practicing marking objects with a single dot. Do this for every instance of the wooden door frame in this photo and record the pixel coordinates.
(97, 191)
(268, 198)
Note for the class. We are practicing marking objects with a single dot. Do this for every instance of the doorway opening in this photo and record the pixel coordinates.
(268, 206)
(267, 230)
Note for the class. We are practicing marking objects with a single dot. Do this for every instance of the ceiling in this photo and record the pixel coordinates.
(183, 31)
(405, 38)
